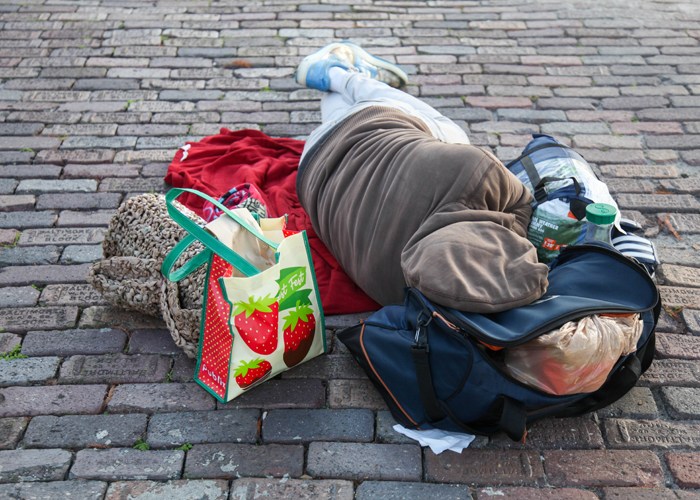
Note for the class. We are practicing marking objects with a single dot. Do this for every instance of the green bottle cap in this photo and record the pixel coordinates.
(601, 213)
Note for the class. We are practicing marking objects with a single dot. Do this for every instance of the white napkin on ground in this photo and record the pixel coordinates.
(438, 440)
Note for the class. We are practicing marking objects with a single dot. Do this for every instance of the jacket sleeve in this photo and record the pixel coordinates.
(476, 265)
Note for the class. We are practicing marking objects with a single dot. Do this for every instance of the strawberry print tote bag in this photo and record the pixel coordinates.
(262, 313)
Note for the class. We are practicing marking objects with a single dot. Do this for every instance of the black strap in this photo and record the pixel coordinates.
(619, 383)
(420, 351)
(513, 419)
(425, 382)
(541, 193)
(531, 172)
(537, 148)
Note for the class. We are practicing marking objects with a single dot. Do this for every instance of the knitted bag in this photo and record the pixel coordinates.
(141, 234)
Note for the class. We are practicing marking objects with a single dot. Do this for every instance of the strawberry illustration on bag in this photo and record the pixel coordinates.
(299, 330)
(252, 372)
(256, 322)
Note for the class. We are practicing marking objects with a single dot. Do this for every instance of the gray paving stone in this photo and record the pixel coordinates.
(654, 434)
(133, 185)
(85, 142)
(152, 130)
(691, 317)
(34, 318)
(658, 203)
(681, 402)
(74, 342)
(82, 295)
(25, 371)
(275, 394)
(23, 296)
(330, 366)
(15, 157)
(7, 186)
(162, 142)
(168, 430)
(11, 430)
(85, 490)
(298, 489)
(79, 254)
(193, 95)
(51, 400)
(152, 342)
(160, 398)
(672, 372)
(120, 464)
(638, 403)
(80, 431)
(680, 296)
(70, 218)
(390, 490)
(183, 370)
(36, 186)
(385, 430)
(33, 465)
(61, 237)
(8, 341)
(117, 368)
(679, 256)
(291, 426)
(556, 434)
(677, 346)
(362, 461)
(18, 256)
(227, 460)
(179, 489)
(75, 201)
(354, 394)
(530, 115)
(21, 220)
(21, 128)
(103, 316)
(11, 203)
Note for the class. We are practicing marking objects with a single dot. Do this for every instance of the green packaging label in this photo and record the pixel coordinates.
(550, 233)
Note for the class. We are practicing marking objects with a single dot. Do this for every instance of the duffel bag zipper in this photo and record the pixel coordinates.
(454, 323)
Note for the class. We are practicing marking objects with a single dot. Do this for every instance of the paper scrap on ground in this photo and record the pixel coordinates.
(438, 440)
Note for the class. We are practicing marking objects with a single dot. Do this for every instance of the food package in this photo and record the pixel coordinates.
(577, 357)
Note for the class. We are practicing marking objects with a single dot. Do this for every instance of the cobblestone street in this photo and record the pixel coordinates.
(96, 97)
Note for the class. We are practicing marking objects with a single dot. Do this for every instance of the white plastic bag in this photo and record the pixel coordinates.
(577, 357)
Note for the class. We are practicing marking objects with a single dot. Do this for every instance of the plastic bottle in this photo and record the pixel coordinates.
(600, 218)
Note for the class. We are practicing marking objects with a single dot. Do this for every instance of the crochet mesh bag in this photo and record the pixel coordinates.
(140, 235)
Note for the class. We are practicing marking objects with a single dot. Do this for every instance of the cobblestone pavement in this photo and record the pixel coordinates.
(97, 95)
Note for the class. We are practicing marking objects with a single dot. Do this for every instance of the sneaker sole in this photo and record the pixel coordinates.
(303, 68)
(376, 61)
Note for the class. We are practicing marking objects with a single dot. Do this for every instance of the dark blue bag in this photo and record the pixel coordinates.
(433, 370)
(563, 184)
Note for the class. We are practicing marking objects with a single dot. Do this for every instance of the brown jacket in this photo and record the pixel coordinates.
(397, 207)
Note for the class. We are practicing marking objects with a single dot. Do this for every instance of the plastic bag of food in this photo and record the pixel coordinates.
(577, 357)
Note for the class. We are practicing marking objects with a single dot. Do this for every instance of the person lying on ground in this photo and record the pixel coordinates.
(400, 197)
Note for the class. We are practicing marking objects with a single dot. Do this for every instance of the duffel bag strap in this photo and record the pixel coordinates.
(420, 351)
(513, 419)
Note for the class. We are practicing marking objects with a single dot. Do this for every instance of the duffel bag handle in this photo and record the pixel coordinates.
(576, 205)
(212, 244)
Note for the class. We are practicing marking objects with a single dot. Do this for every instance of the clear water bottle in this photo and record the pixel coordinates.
(600, 218)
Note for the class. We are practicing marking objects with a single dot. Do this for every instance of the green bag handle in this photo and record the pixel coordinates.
(190, 266)
(211, 243)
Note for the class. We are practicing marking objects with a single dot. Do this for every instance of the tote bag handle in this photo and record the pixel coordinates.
(211, 243)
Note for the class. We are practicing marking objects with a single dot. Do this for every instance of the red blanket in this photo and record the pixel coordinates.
(218, 163)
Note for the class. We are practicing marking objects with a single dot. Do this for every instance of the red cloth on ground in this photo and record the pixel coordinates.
(221, 161)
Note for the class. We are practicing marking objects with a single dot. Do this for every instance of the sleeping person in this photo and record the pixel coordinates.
(400, 197)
